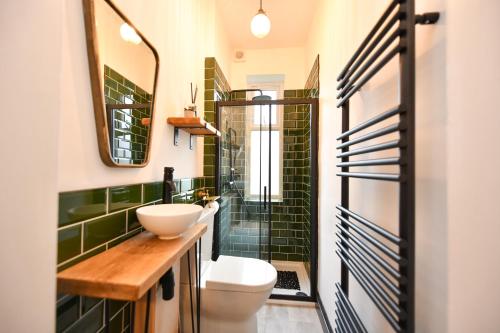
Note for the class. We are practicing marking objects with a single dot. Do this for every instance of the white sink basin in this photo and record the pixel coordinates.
(168, 221)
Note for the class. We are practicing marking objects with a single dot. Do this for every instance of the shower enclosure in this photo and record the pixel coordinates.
(266, 175)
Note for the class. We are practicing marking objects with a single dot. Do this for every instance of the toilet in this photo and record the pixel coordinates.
(233, 289)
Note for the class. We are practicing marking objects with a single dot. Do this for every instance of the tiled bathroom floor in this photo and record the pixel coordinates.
(274, 318)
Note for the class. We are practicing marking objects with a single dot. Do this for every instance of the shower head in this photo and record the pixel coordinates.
(261, 98)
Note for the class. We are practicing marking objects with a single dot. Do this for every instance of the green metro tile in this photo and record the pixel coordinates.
(209, 73)
(126, 315)
(88, 303)
(91, 322)
(124, 238)
(115, 325)
(69, 243)
(209, 84)
(209, 150)
(209, 62)
(209, 106)
(124, 90)
(210, 95)
(198, 183)
(68, 310)
(81, 205)
(153, 191)
(116, 96)
(115, 306)
(279, 256)
(123, 197)
(115, 75)
(103, 230)
(295, 257)
(110, 83)
(133, 221)
(290, 93)
(82, 258)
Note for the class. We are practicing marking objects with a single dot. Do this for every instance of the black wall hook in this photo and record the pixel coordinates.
(427, 18)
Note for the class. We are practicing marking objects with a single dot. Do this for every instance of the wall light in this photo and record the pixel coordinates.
(129, 35)
(260, 25)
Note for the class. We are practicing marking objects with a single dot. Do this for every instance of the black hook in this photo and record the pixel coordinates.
(427, 18)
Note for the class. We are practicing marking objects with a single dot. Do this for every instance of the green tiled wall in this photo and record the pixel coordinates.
(216, 89)
(92, 221)
(128, 137)
(239, 231)
(312, 83)
(287, 217)
(311, 90)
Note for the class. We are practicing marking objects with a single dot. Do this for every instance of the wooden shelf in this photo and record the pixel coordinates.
(193, 125)
(127, 271)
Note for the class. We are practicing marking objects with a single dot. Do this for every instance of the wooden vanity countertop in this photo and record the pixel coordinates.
(128, 270)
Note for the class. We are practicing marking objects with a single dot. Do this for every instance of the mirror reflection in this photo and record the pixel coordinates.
(128, 65)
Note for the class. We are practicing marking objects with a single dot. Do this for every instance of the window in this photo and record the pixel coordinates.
(258, 121)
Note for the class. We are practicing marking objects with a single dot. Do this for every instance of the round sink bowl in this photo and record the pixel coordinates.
(168, 221)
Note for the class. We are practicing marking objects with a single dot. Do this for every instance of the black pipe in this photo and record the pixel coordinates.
(375, 120)
(168, 184)
(167, 282)
(190, 291)
(148, 309)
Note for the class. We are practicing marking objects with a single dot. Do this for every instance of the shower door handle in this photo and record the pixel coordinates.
(265, 198)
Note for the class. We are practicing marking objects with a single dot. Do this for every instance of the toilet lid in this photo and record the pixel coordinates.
(240, 274)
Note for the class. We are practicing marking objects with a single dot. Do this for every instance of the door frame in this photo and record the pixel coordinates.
(314, 136)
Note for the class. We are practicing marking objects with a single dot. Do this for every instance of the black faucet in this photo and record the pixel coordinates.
(168, 185)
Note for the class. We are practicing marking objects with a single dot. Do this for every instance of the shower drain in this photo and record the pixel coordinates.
(287, 280)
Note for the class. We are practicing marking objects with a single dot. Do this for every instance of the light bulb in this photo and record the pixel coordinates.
(260, 25)
(129, 35)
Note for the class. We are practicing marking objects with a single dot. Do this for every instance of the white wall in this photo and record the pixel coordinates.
(473, 77)
(184, 33)
(49, 133)
(457, 210)
(30, 32)
(287, 61)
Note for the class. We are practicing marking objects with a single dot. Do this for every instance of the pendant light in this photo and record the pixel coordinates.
(260, 25)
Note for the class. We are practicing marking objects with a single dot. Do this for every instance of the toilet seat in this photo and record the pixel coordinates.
(239, 274)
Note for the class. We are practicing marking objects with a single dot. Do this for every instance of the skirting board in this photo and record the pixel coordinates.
(323, 317)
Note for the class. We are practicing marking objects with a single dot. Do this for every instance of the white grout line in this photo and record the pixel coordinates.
(92, 249)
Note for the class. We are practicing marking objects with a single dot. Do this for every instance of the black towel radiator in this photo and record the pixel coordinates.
(386, 275)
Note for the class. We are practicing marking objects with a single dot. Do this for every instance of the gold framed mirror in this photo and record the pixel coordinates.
(123, 69)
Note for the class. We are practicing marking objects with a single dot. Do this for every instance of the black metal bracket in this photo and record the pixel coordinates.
(167, 282)
(176, 136)
(191, 141)
(427, 18)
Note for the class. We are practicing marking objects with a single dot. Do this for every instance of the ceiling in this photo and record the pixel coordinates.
(290, 22)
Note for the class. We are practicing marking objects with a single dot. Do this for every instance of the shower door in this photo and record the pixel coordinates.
(245, 182)
(266, 175)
